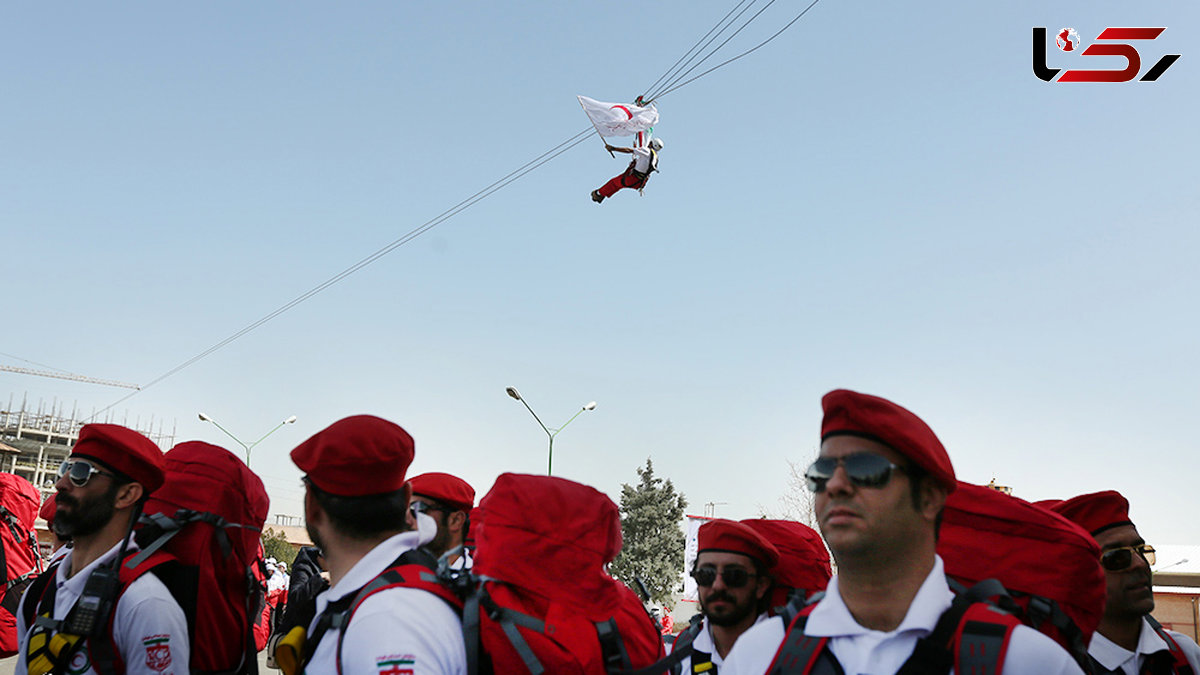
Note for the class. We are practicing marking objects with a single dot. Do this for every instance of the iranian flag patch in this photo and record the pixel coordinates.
(158, 652)
(395, 665)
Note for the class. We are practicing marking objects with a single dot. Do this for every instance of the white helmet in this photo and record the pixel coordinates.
(656, 143)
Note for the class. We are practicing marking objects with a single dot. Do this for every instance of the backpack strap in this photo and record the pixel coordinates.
(1179, 662)
(159, 528)
(612, 647)
(102, 649)
(509, 620)
(1040, 610)
(40, 586)
(801, 654)
(681, 649)
(402, 573)
(29, 539)
(971, 636)
(47, 649)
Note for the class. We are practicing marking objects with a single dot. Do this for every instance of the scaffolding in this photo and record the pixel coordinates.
(35, 441)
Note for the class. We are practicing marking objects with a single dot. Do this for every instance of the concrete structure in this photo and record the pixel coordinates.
(35, 441)
(1177, 588)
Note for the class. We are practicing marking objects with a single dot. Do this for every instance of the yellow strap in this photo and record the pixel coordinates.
(289, 649)
(44, 655)
(701, 667)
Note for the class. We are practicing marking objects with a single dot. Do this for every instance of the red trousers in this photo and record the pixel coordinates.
(625, 180)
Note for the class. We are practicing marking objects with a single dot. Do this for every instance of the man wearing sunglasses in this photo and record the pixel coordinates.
(356, 507)
(880, 483)
(102, 487)
(447, 500)
(732, 579)
(1128, 640)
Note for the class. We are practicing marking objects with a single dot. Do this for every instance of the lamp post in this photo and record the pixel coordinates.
(512, 391)
(250, 446)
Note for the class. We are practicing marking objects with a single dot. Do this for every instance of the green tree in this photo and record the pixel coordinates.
(275, 545)
(651, 514)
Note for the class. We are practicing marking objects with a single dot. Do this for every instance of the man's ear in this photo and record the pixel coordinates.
(457, 520)
(128, 495)
(933, 498)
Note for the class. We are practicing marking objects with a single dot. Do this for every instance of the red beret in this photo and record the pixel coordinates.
(849, 412)
(357, 456)
(445, 488)
(1095, 512)
(123, 450)
(49, 509)
(734, 537)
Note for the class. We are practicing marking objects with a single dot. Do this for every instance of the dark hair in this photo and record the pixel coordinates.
(916, 480)
(363, 517)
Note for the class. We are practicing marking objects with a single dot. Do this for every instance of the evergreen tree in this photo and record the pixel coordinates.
(275, 545)
(651, 514)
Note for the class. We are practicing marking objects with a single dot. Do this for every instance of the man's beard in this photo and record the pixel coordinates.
(312, 534)
(734, 615)
(441, 540)
(85, 517)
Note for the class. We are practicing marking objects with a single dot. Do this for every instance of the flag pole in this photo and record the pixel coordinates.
(610, 152)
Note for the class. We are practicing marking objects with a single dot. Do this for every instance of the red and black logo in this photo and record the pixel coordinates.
(1110, 42)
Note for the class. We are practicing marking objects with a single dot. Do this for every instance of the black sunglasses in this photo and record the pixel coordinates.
(865, 469)
(1117, 559)
(80, 471)
(734, 577)
(424, 507)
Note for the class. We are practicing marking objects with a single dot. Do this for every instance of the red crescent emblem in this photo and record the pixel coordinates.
(623, 109)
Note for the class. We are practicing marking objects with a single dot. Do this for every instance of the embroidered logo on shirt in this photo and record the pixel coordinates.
(80, 663)
(158, 652)
(396, 664)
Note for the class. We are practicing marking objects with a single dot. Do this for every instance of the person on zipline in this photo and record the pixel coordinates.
(645, 161)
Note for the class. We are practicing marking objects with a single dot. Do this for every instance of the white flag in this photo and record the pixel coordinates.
(619, 119)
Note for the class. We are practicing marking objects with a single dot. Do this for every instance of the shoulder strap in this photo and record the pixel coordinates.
(1179, 659)
(969, 629)
(800, 654)
(410, 570)
(612, 647)
(681, 650)
(36, 594)
(102, 649)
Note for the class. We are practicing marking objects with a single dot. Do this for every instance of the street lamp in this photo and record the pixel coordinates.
(512, 391)
(248, 447)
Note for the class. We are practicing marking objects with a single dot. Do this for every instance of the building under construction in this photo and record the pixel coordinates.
(35, 440)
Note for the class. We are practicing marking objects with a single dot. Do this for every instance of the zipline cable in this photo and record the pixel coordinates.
(745, 53)
(718, 47)
(511, 177)
(695, 48)
(413, 234)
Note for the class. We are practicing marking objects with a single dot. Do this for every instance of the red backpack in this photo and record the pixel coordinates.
(19, 503)
(803, 567)
(1049, 566)
(541, 600)
(208, 516)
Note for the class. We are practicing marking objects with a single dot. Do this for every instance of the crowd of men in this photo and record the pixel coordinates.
(880, 483)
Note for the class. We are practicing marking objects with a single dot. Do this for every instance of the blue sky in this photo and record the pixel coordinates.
(885, 198)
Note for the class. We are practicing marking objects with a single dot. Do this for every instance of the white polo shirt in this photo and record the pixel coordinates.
(704, 643)
(402, 630)
(862, 651)
(149, 628)
(1114, 657)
